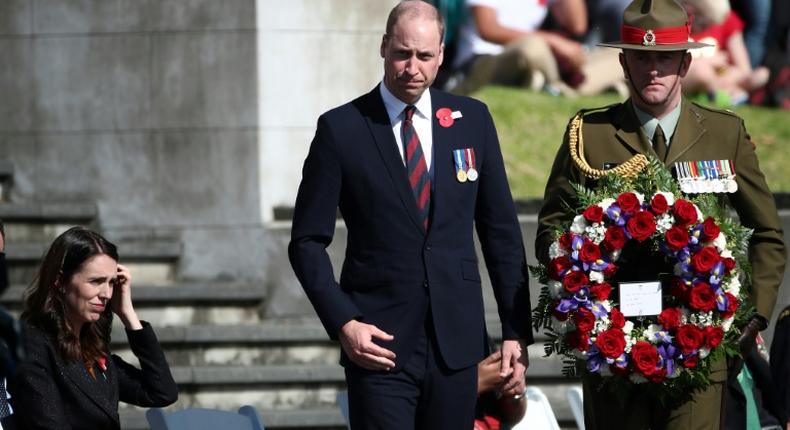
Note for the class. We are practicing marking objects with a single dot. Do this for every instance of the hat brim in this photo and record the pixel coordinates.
(664, 48)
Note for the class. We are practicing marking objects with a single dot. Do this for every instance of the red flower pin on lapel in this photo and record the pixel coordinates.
(447, 117)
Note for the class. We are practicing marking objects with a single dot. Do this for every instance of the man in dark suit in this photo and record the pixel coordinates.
(656, 120)
(413, 172)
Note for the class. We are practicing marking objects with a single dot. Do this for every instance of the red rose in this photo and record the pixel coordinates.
(628, 203)
(732, 305)
(589, 252)
(611, 342)
(558, 266)
(705, 259)
(614, 238)
(617, 318)
(579, 340)
(691, 362)
(685, 212)
(593, 214)
(566, 240)
(584, 319)
(677, 238)
(670, 318)
(710, 230)
(702, 297)
(690, 338)
(713, 336)
(645, 357)
(729, 264)
(641, 226)
(601, 291)
(659, 205)
(610, 270)
(574, 281)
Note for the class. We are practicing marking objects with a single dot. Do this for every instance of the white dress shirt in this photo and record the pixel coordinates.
(421, 121)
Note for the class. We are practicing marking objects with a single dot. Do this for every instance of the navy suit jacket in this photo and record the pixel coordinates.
(393, 268)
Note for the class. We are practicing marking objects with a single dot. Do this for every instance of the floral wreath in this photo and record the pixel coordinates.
(671, 352)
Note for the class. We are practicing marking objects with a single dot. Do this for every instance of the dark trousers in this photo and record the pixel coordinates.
(423, 395)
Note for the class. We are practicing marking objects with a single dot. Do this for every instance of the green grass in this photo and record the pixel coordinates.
(531, 125)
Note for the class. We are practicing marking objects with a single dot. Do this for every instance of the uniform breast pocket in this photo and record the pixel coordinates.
(469, 270)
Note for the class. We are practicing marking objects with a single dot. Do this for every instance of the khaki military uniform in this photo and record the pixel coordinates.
(612, 135)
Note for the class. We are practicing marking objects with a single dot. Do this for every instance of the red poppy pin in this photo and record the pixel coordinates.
(102, 361)
(447, 117)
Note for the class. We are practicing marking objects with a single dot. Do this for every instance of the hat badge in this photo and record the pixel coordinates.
(649, 39)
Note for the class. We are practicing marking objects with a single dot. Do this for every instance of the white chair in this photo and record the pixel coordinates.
(576, 401)
(540, 415)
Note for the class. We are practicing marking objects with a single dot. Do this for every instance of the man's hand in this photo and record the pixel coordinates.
(515, 362)
(356, 338)
(488, 377)
(748, 338)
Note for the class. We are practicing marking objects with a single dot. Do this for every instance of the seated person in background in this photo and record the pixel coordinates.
(722, 71)
(501, 402)
(69, 380)
(502, 43)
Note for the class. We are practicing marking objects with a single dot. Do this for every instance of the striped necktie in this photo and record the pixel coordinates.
(416, 168)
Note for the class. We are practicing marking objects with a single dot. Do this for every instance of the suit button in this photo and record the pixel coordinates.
(425, 284)
(427, 247)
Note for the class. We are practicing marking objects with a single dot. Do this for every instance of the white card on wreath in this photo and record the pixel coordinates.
(640, 298)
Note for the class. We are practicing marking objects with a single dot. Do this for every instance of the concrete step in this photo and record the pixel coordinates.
(182, 304)
(149, 260)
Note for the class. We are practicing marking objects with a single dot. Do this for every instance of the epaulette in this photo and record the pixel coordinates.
(585, 111)
(716, 110)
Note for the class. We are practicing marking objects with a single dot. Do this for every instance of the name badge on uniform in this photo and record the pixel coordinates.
(465, 167)
(709, 176)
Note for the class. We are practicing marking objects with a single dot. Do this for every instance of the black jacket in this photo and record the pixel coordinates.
(48, 393)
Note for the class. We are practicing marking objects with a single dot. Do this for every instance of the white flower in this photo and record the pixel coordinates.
(667, 195)
(639, 196)
(555, 250)
(726, 253)
(579, 224)
(727, 324)
(628, 328)
(733, 286)
(596, 233)
(605, 203)
(637, 378)
(555, 288)
(615, 255)
(664, 222)
(700, 216)
(704, 352)
(654, 333)
(596, 276)
(720, 242)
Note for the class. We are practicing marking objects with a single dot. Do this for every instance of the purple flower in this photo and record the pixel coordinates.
(566, 305)
(721, 300)
(598, 310)
(616, 214)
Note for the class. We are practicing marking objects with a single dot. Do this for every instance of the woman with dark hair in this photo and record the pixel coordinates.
(69, 380)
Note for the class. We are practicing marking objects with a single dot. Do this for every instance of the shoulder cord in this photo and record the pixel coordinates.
(576, 146)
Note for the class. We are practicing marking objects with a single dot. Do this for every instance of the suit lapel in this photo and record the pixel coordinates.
(687, 134)
(99, 392)
(628, 130)
(380, 127)
(441, 149)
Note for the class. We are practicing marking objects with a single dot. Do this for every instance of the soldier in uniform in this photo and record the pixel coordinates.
(657, 121)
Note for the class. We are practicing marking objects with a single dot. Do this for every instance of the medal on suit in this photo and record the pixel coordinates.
(471, 173)
(460, 165)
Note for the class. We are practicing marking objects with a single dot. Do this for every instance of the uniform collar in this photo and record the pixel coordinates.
(649, 123)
